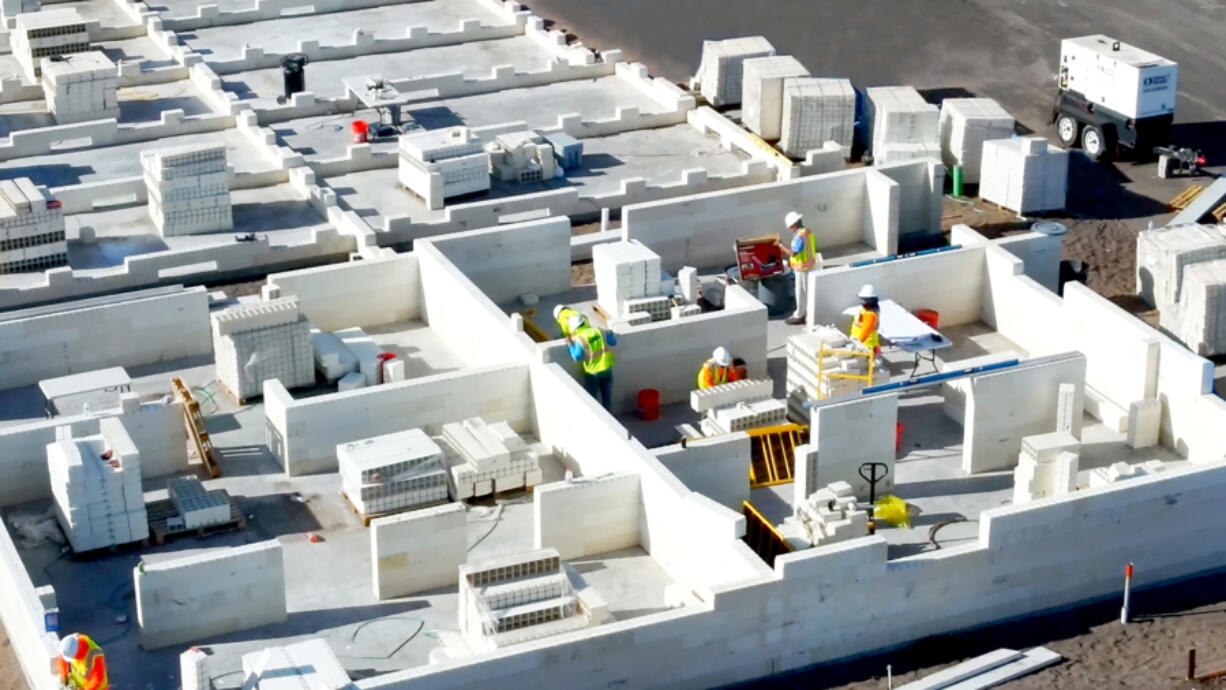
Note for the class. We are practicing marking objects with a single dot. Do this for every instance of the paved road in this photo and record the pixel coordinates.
(1005, 49)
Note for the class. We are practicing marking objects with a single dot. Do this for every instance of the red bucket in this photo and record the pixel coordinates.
(649, 404)
(898, 429)
(361, 131)
(928, 316)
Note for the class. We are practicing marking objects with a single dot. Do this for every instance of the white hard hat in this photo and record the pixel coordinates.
(792, 218)
(868, 292)
(722, 356)
(69, 647)
(557, 311)
(575, 322)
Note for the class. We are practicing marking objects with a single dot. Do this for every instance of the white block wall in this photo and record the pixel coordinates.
(716, 467)
(762, 92)
(847, 434)
(21, 612)
(195, 597)
(418, 550)
(361, 293)
(513, 260)
(131, 333)
(588, 515)
(1003, 406)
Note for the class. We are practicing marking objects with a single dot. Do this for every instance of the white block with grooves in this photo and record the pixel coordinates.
(189, 189)
(392, 472)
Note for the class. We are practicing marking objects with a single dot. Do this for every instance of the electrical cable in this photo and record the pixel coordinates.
(421, 625)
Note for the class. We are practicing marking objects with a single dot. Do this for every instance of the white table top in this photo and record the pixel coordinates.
(904, 330)
(114, 378)
(384, 97)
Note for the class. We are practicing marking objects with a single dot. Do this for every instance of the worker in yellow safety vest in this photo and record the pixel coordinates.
(562, 314)
(721, 368)
(803, 257)
(590, 346)
(81, 664)
(868, 319)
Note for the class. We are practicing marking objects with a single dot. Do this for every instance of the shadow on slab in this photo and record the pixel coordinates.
(54, 175)
(954, 487)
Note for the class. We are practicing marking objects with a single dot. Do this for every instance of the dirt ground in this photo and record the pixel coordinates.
(10, 671)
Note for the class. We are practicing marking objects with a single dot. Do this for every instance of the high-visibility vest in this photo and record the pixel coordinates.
(864, 328)
(88, 672)
(564, 320)
(712, 374)
(806, 258)
(597, 358)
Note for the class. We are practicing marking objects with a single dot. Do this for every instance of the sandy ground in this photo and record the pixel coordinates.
(10, 671)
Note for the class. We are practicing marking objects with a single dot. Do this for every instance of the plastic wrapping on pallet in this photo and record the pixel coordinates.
(762, 92)
(722, 68)
(899, 115)
(1163, 254)
(1024, 174)
(816, 111)
(965, 124)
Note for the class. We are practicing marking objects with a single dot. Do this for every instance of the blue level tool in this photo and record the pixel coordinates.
(937, 378)
(908, 255)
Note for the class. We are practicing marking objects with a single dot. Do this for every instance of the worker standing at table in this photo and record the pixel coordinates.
(803, 258)
(721, 368)
(868, 320)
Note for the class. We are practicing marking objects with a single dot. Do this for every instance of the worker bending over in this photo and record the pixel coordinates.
(81, 664)
(721, 368)
(803, 257)
(868, 319)
(590, 346)
(562, 314)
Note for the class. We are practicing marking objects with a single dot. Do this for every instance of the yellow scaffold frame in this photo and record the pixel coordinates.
(823, 351)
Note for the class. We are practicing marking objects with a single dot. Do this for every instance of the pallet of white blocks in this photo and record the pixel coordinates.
(902, 124)
(1024, 174)
(1200, 317)
(457, 156)
(722, 68)
(486, 458)
(816, 111)
(762, 92)
(1164, 253)
(514, 599)
(393, 472)
(269, 340)
(31, 228)
(803, 383)
(627, 272)
(965, 124)
(96, 484)
(81, 87)
(189, 189)
(743, 416)
(745, 390)
(828, 516)
(49, 33)
(198, 507)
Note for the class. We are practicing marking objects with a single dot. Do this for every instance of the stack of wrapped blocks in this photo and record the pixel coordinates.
(803, 383)
(197, 506)
(269, 340)
(392, 472)
(628, 279)
(966, 123)
(1024, 174)
(722, 68)
(816, 111)
(189, 189)
(81, 87)
(31, 229)
(827, 516)
(1201, 315)
(762, 92)
(96, 483)
(50, 33)
(904, 126)
(491, 457)
(1163, 254)
(438, 164)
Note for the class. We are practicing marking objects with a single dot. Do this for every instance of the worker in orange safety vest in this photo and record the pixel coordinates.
(81, 664)
(868, 319)
(721, 368)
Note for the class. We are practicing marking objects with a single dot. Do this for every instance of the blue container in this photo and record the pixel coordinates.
(51, 620)
(566, 149)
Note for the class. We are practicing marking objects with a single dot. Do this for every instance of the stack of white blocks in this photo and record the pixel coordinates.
(1024, 174)
(802, 378)
(96, 484)
(628, 279)
(365, 350)
(1105, 476)
(688, 285)
(523, 597)
(1047, 466)
(521, 157)
(50, 33)
(392, 472)
(196, 597)
(31, 231)
(418, 550)
(829, 515)
(492, 458)
(816, 111)
(721, 71)
(194, 670)
(269, 340)
(442, 163)
(198, 507)
(1144, 423)
(81, 87)
(307, 665)
(965, 124)
(1164, 253)
(1201, 316)
(189, 189)
(904, 126)
(745, 415)
(745, 390)
(332, 359)
(762, 92)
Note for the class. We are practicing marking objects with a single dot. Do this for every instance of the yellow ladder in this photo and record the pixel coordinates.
(773, 453)
(194, 421)
(534, 331)
(762, 536)
(823, 351)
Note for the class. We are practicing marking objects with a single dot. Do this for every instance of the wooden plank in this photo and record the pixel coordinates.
(967, 669)
(1032, 660)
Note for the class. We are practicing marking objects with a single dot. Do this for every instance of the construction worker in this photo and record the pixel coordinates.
(81, 664)
(719, 369)
(590, 346)
(562, 314)
(864, 327)
(803, 258)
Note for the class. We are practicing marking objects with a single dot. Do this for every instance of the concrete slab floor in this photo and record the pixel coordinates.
(475, 60)
(105, 11)
(423, 351)
(143, 50)
(187, 8)
(335, 28)
(137, 104)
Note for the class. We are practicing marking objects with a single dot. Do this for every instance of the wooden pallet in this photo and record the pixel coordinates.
(160, 512)
(372, 516)
(1185, 197)
(1219, 213)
